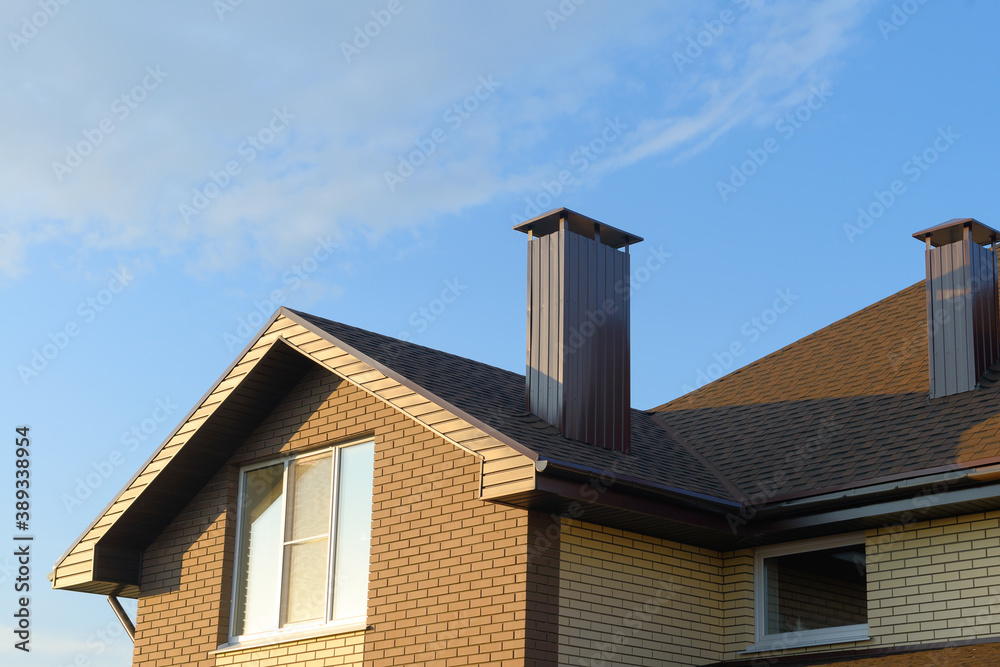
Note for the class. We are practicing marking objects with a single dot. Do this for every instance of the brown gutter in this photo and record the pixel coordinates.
(573, 490)
(694, 498)
(122, 617)
(827, 657)
(951, 467)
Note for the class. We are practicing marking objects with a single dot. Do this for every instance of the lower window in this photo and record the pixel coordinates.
(303, 544)
(811, 592)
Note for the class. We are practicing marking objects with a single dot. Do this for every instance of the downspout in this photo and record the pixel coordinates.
(123, 617)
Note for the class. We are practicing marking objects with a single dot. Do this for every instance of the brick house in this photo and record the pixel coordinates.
(339, 497)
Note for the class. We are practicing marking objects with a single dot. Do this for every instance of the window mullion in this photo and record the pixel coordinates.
(280, 611)
(331, 540)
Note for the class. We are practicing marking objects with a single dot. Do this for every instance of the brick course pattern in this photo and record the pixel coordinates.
(628, 599)
(935, 581)
(928, 582)
(453, 581)
(344, 649)
(449, 572)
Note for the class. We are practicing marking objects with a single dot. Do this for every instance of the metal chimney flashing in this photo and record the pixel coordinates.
(953, 230)
(548, 223)
(963, 312)
(577, 366)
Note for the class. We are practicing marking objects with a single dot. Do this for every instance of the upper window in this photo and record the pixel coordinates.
(304, 534)
(811, 592)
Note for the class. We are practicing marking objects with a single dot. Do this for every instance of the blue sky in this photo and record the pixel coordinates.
(170, 174)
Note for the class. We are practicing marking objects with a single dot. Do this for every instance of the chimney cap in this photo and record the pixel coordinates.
(547, 223)
(952, 231)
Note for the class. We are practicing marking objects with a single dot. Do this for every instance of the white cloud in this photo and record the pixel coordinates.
(785, 49)
(324, 173)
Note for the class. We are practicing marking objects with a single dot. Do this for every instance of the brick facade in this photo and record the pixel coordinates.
(459, 581)
(935, 581)
(628, 599)
(448, 581)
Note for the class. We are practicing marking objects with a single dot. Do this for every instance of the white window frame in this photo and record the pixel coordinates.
(768, 642)
(308, 628)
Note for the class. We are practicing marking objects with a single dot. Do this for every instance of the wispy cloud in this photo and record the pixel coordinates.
(783, 49)
(324, 174)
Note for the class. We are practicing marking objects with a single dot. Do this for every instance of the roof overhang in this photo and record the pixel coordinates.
(954, 230)
(603, 498)
(547, 223)
(118, 553)
(106, 559)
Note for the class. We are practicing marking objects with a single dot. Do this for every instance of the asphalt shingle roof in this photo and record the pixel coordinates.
(496, 397)
(843, 406)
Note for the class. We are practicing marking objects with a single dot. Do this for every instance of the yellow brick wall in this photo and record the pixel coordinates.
(628, 599)
(345, 649)
(928, 582)
(737, 605)
(935, 581)
(454, 581)
(449, 571)
(449, 574)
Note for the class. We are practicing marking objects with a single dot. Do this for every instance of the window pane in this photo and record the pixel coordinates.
(305, 580)
(309, 514)
(260, 552)
(354, 531)
(816, 589)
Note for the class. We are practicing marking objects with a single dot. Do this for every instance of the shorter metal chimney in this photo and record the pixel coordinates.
(963, 331)
(578, 327)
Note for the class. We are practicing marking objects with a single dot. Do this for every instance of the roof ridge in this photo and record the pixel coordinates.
(726, 483)
(398, 341)
(688, 397)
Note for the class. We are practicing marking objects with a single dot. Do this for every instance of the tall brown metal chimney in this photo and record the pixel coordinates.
(963, 330)
(578, 327)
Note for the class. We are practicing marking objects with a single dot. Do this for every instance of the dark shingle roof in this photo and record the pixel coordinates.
(496, 397)
(842, 407)
(845, 405)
